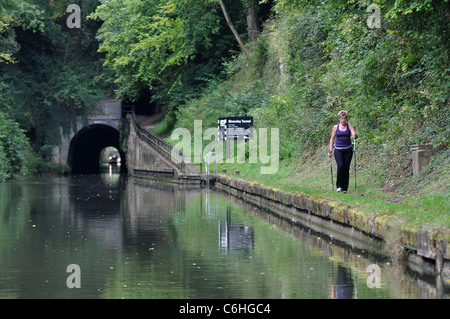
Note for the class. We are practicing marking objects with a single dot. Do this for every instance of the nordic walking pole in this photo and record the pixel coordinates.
(355, 160)
(331, 168)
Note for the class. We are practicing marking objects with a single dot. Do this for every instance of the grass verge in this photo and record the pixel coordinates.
(426, 207)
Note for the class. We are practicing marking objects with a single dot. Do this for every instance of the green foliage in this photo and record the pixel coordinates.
(16, 14)
(317, 58)
(173, 47)
(58, 75)
(14, 149)
(142, 39)
(124, 131)
(402, 7)
(393, 80)
(232, 102)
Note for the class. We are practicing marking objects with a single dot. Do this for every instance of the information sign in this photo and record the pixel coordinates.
(235, 128)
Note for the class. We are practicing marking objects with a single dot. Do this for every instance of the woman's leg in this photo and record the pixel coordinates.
(339, 157)
(347, 159)
(343, 160)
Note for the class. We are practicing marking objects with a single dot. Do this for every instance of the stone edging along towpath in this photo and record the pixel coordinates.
(345, 222)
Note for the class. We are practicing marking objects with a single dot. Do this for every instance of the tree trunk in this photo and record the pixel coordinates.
(447, 10)
(230, 24)
(252, 21)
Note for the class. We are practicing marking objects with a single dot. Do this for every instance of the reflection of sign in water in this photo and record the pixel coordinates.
(236, 237)
(235, 128)
(373, 281)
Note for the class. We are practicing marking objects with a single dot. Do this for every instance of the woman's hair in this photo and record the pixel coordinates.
(343, 113)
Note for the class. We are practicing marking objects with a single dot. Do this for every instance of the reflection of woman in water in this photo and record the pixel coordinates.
(344, 284)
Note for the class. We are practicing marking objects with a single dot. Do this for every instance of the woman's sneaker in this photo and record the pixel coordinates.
(339, 190)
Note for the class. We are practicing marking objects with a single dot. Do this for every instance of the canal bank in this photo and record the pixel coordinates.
(425, 250)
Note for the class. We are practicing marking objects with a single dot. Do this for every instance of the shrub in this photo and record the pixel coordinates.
(14, 149)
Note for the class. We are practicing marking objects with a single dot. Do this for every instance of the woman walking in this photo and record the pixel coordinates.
(343, 153)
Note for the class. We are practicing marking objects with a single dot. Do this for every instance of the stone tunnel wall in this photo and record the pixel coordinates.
(106, 112)
(149, 157)
(141, 156)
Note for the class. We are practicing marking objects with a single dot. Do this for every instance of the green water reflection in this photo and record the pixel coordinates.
(139, 241)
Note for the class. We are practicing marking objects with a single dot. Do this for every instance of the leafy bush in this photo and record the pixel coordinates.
(14, 149)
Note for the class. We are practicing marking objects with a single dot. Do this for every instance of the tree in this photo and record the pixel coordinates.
(252, 20)
(142, 39)
(14, 148)
(13, 14)
(252, 23)
(233, 29)
(171, 47)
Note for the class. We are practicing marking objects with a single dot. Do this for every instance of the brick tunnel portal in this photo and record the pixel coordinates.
(87, 145)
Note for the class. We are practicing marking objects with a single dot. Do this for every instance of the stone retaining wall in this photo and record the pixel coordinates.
(146, 163)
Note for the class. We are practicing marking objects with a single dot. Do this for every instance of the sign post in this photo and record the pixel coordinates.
(234, 128)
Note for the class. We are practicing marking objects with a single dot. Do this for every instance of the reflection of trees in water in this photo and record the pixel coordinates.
(95, 194)
(144, 209)
(94, 205)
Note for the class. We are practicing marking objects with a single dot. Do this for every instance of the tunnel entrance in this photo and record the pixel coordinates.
(87, 145)
(110, 156)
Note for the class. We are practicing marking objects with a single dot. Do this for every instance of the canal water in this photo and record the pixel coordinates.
(109, 236)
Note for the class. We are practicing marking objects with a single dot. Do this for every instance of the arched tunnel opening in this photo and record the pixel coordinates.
(87, 145)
